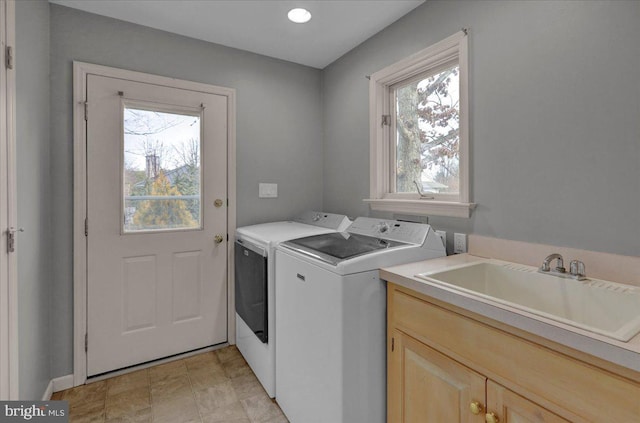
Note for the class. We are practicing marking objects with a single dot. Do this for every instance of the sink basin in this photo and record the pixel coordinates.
(598, 306)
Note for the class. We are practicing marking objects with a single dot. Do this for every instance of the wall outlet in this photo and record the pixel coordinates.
(459, 243)
(268, 190)
(443, 237)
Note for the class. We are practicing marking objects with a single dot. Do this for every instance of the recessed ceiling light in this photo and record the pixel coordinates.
(299, 15)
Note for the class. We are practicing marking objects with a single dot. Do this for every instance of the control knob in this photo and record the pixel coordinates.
(383, 227)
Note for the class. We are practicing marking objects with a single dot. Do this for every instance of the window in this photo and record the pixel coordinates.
(420, 133)
(161, 169)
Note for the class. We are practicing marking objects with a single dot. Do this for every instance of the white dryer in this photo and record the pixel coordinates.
(331, 320)
(255, 285)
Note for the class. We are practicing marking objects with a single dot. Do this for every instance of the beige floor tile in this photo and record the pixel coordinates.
(247, 386)
(220, 395)
(89, 412)
(127, 402)
(232, 413)
(174, 387)
(206, 378)
(88, 407)
(213, 419)
(140, 416)
(278, 419)
(214, 387)
(236, 367)
(207, 367)
(92, 418)
(167, 371)
(177, 410)
(228, 353)
(261, 409)
(86, 393)
(127, 382)
(205, 360)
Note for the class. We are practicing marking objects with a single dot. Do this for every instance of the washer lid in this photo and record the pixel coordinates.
(339, 246)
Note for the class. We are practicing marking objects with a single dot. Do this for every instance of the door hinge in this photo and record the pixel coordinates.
(86, 227)
(11, 241)
(386, 120)
(8, 55)
(86, 110)
(86, 342)
(393, 344)
(11, 238)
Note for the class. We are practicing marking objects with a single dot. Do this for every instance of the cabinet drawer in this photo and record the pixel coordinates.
(549, 378)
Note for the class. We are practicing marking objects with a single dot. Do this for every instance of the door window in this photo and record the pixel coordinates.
(162, 174)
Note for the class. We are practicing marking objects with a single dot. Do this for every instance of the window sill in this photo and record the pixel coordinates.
(421, 207)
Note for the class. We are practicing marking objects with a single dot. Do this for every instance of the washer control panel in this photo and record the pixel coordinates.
(337, 222)
(394, 230)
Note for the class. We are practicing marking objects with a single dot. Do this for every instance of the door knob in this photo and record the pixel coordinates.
(218, 239)
(476, 407)
(218, 202)
(491, 418)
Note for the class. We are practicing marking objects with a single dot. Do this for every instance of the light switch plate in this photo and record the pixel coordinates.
(268, 190)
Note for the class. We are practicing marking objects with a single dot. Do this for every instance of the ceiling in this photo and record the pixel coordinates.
(261, 26)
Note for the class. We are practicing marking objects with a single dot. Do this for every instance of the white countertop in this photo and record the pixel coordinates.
(625, 354)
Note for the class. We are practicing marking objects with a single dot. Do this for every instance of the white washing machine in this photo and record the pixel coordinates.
(255, 285)
(331, 320)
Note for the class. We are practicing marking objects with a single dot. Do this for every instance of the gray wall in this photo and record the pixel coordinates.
(34, 199)
(279, 130)
(555, 111)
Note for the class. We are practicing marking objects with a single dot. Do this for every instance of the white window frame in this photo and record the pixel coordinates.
(382, 139)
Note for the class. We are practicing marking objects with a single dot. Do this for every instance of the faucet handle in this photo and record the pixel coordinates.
(576, 268)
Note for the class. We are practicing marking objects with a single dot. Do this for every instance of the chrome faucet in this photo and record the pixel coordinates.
(560, 265)
(576, 268)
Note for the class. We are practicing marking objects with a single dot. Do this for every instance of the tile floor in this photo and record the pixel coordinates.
(213, 387)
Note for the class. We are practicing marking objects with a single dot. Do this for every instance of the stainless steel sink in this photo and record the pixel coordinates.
(598, 306)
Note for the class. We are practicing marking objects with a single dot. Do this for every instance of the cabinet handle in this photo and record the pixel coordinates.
(476, 407)
(491, 418)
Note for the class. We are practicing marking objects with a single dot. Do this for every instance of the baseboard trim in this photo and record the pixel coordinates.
(61, 383)
(48, 392)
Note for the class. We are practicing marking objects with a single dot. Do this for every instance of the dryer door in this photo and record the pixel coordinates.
(251, 287)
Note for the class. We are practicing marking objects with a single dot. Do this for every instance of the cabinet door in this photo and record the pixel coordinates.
(509, 407)
(427, 386)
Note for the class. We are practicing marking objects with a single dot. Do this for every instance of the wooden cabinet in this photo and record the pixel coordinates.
(510, 407)
(427, 386)
(444, 366)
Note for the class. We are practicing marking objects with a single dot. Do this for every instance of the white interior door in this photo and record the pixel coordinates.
(157, 222)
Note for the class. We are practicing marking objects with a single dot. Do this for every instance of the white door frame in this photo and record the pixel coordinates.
(8, 214)
(80, 72)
